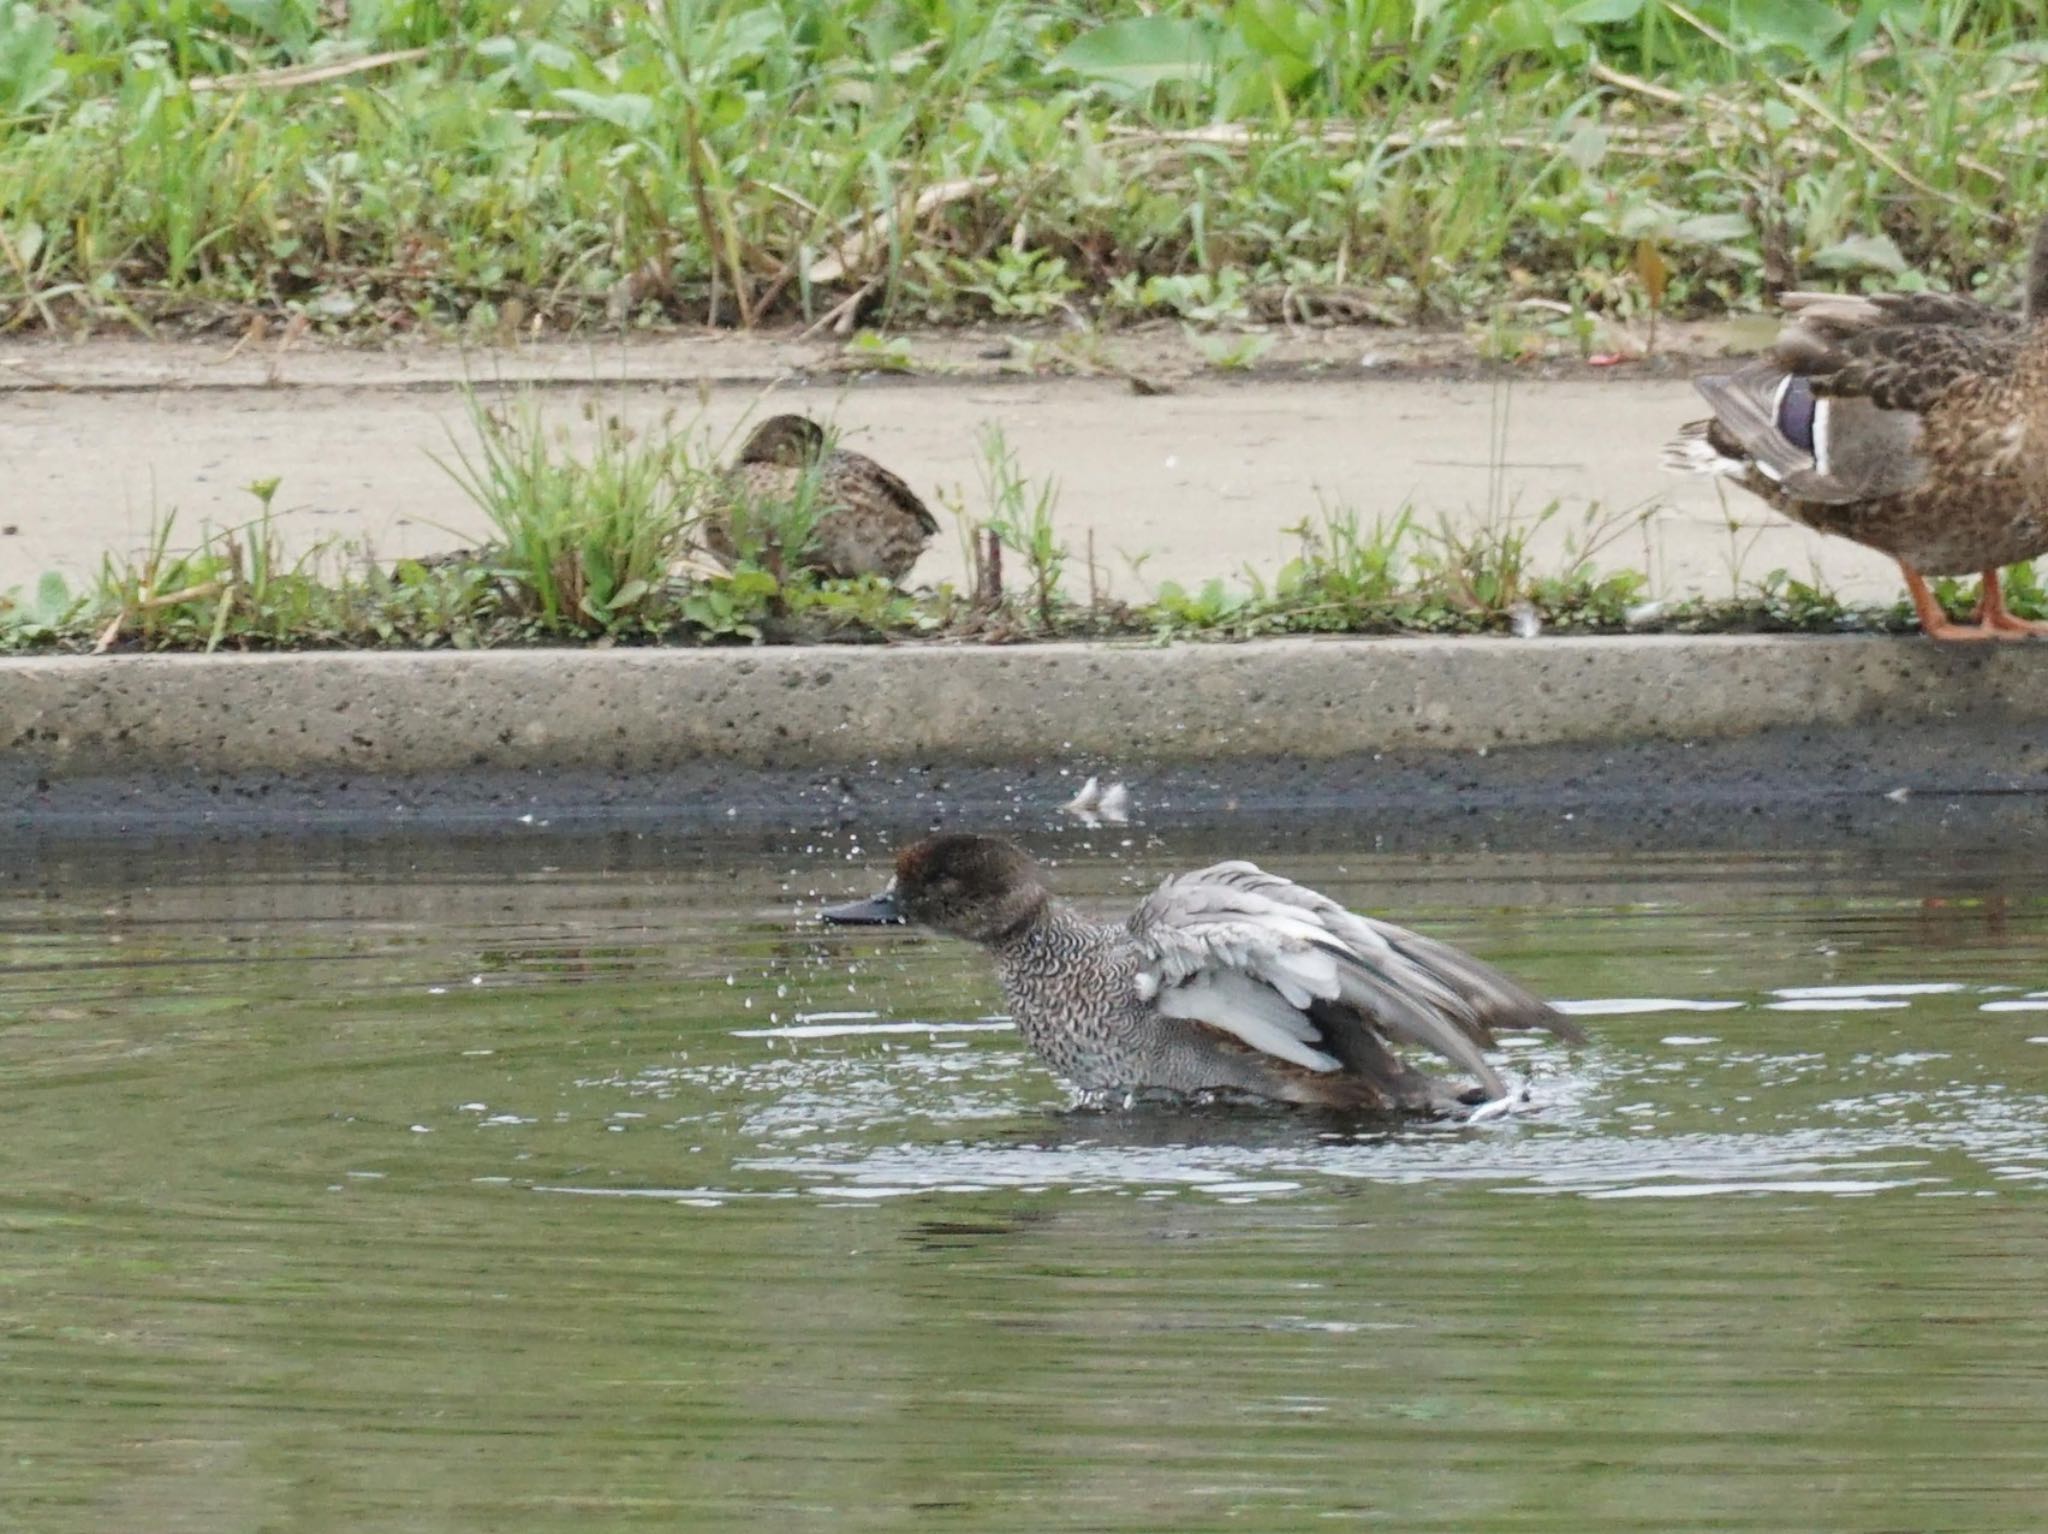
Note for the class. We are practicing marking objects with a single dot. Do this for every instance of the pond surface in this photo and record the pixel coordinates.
(534, 1182)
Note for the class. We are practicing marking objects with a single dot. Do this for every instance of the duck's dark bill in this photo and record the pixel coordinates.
(864, 913)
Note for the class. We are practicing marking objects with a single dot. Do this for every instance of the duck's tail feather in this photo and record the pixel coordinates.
(1693, 451)
(1493, 999)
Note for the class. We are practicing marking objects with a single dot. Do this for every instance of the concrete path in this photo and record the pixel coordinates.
(96, 440)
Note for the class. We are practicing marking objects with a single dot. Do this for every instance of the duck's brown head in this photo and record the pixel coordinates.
(793, 441)
(978, 887)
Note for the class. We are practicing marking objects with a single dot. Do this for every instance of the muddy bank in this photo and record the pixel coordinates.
(1767, 795)
(1885, 791)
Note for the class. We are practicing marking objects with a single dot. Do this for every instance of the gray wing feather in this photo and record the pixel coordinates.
(1225, 943)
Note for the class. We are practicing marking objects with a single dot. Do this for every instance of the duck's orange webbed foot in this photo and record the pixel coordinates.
(1937, 624)
(1995, 616)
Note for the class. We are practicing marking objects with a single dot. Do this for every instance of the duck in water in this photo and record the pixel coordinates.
(1228, 980)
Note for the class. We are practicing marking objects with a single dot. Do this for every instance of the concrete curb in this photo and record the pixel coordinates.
(631, 711)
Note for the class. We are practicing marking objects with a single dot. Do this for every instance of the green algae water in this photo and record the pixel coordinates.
(539, 1182)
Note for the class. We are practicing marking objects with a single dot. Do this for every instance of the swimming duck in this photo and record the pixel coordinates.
(1913, 423)
(1226, 980)
(869, 521)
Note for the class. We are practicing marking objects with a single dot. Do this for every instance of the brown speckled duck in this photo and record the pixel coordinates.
(1914, 423)
(869, 521)
(1226, 980)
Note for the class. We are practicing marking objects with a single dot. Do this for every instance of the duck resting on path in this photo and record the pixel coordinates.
(1227, 980)
(868, 522)
(1912, 423)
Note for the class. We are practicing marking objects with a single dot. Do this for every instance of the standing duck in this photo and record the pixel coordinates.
(1228, 980)
(868, 522)
(1914, 423)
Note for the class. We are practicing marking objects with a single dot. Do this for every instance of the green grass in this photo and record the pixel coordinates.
(236, 590)
(614, 565)
(586, 544)
(563, 164)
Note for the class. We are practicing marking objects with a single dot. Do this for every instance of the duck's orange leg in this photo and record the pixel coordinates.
(1935, 623)
(1995, 616)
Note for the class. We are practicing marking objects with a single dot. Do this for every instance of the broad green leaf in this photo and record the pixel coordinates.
(1589, 13)
(1587, 146)
(1712, 228)
(1861, 253)
(622, 109)
(1277, 32)
(1526, 26)
(1641, 220)
(1810, 27)
(29, 73)
(1136, 55)
(53, 597)
(750, 35)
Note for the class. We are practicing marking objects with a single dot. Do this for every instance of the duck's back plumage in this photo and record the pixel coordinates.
(868, 521)
(1872, 310)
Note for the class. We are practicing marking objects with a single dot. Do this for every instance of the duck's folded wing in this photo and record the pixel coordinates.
(892, 486)
(1834, 451)
(1281, 967)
